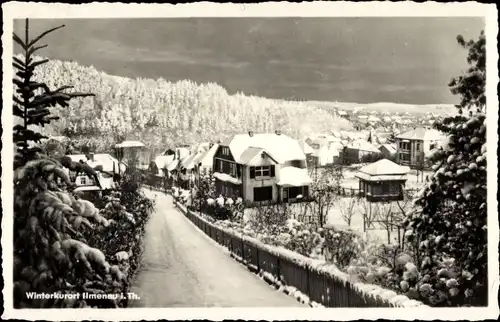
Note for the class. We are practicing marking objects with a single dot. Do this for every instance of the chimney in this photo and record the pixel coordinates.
(250, 133)
(278, 132)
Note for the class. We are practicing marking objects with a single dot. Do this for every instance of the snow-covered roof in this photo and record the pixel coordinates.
(201, 147)
(254, 157)
(130, 144)
(363, 145)
(163, 160)
(105, 160)
(292, 176)
(306, 148)
(226, 178)
(389, 147)
(206, 159)
(172, 165)
(383, 170)
(280, 147)
(182, 152)
(189, 161)
(332, 150)
(421, 134)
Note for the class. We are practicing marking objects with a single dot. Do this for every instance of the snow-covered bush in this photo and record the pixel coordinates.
(449, 232)
(341, 246)
(53, 226)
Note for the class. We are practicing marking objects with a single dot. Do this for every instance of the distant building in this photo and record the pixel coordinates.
(264, 168)
(413, 145)
(342, 113)
(359, 151)
(108, 167)
(388, 150)
(383, 180)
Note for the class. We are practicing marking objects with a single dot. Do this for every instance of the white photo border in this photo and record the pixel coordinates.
(17, 10)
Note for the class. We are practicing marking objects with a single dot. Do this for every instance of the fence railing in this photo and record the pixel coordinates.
(319, 284)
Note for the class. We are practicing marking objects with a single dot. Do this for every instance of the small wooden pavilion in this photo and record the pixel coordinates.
(383, 180)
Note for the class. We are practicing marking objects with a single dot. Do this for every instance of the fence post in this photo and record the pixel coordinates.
(258, 260)
(308, 283)
(242, 250)
(278, 268)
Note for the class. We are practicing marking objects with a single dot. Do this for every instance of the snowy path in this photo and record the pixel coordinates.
(181, 267)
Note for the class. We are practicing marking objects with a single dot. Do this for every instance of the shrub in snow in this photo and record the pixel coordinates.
(341, 246)
(449, 232)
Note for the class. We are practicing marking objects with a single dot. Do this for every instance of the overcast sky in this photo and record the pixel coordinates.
(403, 60)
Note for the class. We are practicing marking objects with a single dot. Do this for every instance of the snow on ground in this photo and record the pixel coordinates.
(376, 233)
(181, 268)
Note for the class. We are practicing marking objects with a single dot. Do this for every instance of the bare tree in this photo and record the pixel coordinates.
(385, 215)
(347, 208)
(369, 212)
(404, 206)
(323, 192)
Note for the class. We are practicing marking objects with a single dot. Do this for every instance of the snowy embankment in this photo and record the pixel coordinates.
(371, 295)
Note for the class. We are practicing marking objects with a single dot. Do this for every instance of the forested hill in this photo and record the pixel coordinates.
(161, 113)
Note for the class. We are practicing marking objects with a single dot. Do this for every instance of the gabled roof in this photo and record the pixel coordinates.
(281, 147)
(188, 162)
(172, 165)
(383, 170)
(363, 145)
(163, 160)
(389, 147)
(421, 134)
(206, 159)
(103, 159)
(306, 148)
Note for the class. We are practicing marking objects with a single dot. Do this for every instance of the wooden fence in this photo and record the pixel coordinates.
(320, 286)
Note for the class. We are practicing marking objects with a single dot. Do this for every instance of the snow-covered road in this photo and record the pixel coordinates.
(182, 267)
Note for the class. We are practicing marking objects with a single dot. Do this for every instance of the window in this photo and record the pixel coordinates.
(432, 146)
(418, 147)
(386, 189)
(404, 157)
(83, 180)
(265, 171)
(225, 150)
(263, 193)
(293, 192)
(221, 166)
(232, 169)
(404, 146)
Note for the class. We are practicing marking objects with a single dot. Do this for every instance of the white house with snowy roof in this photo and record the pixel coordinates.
(267, 168)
